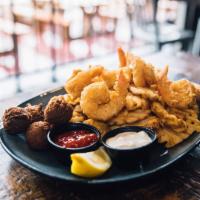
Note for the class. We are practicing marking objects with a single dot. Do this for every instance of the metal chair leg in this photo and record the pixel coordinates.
(196, 42)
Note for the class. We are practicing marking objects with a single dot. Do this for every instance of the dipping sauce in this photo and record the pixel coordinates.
(76, 139)
(129, 140)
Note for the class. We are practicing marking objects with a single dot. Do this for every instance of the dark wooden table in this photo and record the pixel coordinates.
(182, 181)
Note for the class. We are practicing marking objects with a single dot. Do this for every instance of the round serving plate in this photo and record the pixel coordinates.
(45, 163)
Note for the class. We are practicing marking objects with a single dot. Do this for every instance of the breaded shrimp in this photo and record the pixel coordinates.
(100, 103)
(135, 102)
(178, 94)
(108, 76)
(122, 57)
(144, 74)
(150, 74)
(80, 79)
(138, 72)
(127, 73)
(196, 90)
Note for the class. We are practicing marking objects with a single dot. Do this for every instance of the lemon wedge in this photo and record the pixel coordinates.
(90, 164)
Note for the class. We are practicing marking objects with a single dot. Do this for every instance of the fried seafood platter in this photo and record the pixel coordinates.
(106, 123)
(136, 94)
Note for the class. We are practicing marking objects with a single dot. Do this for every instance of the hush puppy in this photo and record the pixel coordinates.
(36, 112)
(36, 135)
(16, 120)
(58, 111)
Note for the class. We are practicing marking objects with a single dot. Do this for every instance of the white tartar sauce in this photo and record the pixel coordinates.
(129, 140)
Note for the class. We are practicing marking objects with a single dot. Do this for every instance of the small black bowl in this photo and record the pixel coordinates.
(63, 154)
(133, 157)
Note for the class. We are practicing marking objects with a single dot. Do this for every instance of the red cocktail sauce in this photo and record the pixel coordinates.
(76, 139)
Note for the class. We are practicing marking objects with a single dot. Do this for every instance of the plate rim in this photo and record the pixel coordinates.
(96, 181)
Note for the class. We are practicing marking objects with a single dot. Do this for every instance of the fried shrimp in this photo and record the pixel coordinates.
(138, 72)
(179, 94)
(122, 57)
(100, 103)
(135, 94)
(150, 74)
(144, 74)
(196, 90)
(108, 76)
(80, 79)
(136, 64)
(135, 102)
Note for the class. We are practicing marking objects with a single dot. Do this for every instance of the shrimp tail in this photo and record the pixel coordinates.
(122, 84)
(163, 74)
(122, 57)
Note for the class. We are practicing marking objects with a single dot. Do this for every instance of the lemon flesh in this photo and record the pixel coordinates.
(91, 164)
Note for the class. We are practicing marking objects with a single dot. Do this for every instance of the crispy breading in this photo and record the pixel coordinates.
(178, 94)
(167, 118)
(135, 102)
(126, 117)
(101, 126)
(138, 72)
(143, 96)
(100, 103)
(150, 121)
(169, 137)
(69, 99)
(145, 93)
(150, 74)
(121, 57)
(79, 80)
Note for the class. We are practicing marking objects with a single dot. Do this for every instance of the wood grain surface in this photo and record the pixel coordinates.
(182, 181)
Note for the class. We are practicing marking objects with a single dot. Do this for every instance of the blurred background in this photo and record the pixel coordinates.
(42, 41)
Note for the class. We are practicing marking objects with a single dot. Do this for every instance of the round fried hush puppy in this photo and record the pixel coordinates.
(36, 112)
(16, 120)
(58, 111)
(36, 135)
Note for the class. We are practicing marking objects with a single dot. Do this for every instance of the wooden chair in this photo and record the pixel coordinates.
(13, 30)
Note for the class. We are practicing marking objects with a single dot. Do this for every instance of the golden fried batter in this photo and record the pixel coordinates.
(138, 72)
(150, 121)
(179, 94)
(101, 126)
(100, 103)
(69, 99)
(135, 102)
(136, 94)
(145, 93)
(122, 57)
(167, 118)
(169, 137)
(79, 80)
(126, 117)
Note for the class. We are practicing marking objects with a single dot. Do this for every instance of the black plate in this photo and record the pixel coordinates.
(44, 163)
